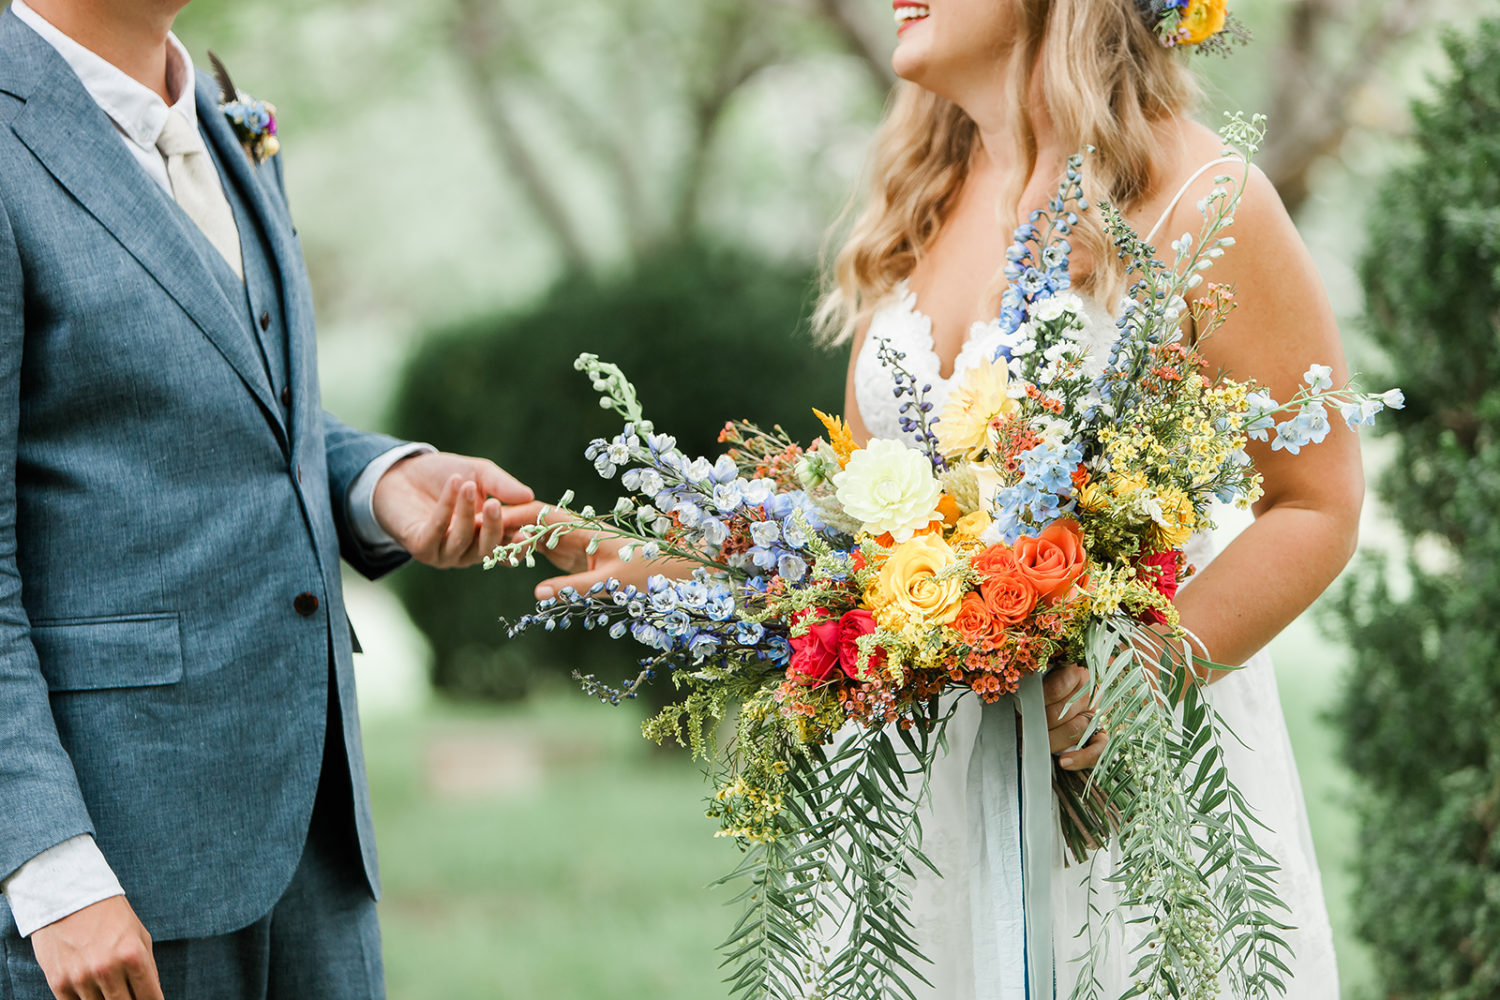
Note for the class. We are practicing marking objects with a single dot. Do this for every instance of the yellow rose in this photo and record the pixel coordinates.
(964, 422)
(1203, 19)
(909, 581)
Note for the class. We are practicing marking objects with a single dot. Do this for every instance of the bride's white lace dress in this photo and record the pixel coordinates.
(954, 829)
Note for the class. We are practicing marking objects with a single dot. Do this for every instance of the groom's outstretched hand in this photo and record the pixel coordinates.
(446, 510)
(101, 951)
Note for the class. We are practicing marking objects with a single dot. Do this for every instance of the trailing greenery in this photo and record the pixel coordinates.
(1420, 708)
(714, 334)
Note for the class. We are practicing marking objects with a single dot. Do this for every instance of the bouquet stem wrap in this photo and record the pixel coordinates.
(1012, 903)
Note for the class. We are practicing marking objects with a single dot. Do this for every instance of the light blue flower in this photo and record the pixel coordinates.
(1359, 412)
(1319, 378)
(791, 569)
(1259, 419)
(725, 471)
(765, 533)
(1309, 426)
(727, 496)
(715, 532)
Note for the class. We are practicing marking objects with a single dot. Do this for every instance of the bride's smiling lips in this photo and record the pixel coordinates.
(908, 13)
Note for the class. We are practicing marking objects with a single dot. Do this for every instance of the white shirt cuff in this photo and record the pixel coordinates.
(374, 539)
(59, 882)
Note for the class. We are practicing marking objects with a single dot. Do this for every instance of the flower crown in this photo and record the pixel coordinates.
(1205, 25)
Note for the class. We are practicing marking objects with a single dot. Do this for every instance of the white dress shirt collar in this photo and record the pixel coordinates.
(137, 111)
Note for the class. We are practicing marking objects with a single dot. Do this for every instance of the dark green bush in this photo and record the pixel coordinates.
(707, 335)
(1422, 707)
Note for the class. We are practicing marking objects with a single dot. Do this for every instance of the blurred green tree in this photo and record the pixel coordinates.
(1419, 713)
(708, 335)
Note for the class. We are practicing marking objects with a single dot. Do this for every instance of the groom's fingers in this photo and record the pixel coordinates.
(428, 537)
(491, 528)
(497, 483)
(458, 537)
(146, 984)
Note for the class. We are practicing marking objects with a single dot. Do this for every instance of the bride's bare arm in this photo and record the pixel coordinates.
(1306, 526)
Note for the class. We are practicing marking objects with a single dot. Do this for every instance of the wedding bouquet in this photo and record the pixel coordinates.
(844, 593)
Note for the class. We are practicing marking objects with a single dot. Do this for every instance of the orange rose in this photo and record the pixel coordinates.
(1054, 560)
(975, 623)
(997, 560)
(1007, 592)
(1009, 598)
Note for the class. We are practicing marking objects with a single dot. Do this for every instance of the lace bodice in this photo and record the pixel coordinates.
(909, 331)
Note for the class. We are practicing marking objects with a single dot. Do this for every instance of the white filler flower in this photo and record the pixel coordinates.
(889, 487)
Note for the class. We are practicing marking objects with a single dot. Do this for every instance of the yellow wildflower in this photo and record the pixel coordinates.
(839, 435)
(1177, 519)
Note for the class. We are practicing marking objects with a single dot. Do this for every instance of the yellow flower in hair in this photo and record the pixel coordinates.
(1202, 20)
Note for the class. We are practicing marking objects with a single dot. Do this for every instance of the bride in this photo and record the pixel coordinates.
(996, 95)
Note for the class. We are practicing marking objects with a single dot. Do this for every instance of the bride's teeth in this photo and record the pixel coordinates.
(904, 14)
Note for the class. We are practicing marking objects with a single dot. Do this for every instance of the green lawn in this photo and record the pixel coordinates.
(546, 851)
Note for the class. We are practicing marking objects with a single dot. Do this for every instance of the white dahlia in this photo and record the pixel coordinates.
(889, 487)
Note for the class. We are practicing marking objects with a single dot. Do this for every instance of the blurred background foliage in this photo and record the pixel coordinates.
(1420, 705)
(485, 188)
(708, 334)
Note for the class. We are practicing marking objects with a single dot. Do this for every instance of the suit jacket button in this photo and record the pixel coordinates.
(286, 397)
(265, 321)
(306, 605)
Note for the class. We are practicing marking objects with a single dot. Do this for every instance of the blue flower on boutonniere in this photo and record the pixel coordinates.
(254, 122)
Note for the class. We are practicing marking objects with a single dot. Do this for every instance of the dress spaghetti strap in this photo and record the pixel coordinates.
(1172, 205)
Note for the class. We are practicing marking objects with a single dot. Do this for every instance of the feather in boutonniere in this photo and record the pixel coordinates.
(254, 122)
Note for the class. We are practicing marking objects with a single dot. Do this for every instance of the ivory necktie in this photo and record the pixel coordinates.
(195, 186)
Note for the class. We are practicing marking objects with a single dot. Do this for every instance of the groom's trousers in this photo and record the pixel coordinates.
(320, 942)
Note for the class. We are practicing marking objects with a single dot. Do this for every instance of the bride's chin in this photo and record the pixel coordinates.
(909, 64)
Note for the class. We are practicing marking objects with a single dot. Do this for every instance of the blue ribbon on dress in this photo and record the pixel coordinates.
(1011, 848)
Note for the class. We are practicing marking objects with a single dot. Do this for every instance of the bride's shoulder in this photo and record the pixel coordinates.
(1192, 163)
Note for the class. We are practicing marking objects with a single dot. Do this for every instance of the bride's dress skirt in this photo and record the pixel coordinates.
(955, 833)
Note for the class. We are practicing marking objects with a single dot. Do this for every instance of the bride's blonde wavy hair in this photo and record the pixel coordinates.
(1106, 81)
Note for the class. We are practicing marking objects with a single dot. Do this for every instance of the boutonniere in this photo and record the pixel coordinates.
(254, 122)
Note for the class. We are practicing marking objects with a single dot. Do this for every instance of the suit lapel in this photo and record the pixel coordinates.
(79, 146)
(251, 180)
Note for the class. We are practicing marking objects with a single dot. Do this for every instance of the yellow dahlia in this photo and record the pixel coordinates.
(964, 423)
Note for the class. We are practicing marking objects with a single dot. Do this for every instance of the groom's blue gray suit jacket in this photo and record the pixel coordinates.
(172, 515)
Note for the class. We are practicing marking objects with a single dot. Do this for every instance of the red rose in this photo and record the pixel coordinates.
(854, 624)
(815, 655)
(1054, 560)
(1160, 569)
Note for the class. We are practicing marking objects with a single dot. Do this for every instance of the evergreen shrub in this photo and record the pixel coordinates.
(1421, 711)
